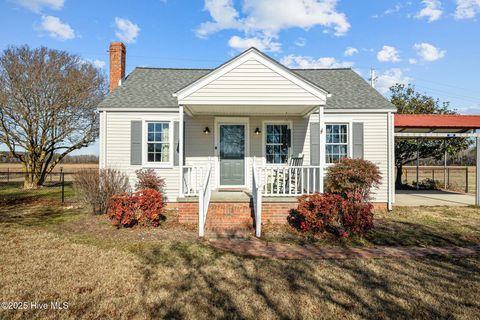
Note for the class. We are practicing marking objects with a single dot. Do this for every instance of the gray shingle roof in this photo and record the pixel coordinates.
(153, 88)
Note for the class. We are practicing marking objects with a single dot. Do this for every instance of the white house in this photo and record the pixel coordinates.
(250, 127)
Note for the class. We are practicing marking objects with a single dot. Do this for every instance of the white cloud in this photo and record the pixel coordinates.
(389, 11)
(98, 63)
(266, 18)
(350, 51)
(388, 54)
(390, 78)
(428, 52)
(56, 28)
(467, 9)
(264, 44)
(300, 42)
(432, 10)
(38, 5)
(224, 16)
(412, 61)
(126, 30)
(306, 62)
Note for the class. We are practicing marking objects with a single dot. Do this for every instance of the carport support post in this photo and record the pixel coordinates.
(477, 175)
(418, 161)
(445, 164)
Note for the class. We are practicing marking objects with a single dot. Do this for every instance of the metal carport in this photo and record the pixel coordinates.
(440, 126)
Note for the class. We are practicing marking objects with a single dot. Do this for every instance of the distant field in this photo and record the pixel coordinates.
(67, 167)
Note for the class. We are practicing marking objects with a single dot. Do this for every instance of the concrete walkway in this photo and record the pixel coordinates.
(415, 198)
(258, 248)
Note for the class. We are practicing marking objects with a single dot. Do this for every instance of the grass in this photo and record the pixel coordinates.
(413, 226)
(63, 254)
(12, 193)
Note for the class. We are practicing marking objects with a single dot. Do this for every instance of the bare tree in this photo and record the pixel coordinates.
(48, 102)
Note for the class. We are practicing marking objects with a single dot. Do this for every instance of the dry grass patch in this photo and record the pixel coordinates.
(142, 273)
(190, 280)
(412, 226)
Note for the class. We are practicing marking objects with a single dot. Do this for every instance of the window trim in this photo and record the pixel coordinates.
(264, 140)
(349, 140)
(152, 164)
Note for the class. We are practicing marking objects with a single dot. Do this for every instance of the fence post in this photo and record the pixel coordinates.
(448, 178)
(62, 177)
(8, 175)
(466, 179)
(61, 170)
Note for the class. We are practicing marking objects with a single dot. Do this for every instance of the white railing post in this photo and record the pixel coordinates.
(257, 200)
(204, 201)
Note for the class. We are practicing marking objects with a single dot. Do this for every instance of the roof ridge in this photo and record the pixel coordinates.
(313, 69)
(167, 68)
(293, 69)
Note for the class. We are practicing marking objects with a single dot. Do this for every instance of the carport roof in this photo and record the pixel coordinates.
(436, 122)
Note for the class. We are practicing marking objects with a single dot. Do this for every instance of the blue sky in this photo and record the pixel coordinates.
(433, 44)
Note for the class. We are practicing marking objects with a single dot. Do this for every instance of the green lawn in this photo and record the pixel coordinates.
(61, 253)
(12, 193)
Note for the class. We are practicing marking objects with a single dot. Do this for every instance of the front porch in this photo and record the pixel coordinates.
(240, 170)
(240, 126)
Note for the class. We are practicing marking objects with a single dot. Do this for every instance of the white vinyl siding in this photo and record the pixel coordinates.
(251, 83)
(117, 142)
(200, 148)
(375, 142)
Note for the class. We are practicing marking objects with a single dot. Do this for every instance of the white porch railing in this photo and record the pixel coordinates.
(285, 181)
(193, 177)
(204, 202)
(257, 200)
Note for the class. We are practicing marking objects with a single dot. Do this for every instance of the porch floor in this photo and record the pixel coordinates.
(237, 196)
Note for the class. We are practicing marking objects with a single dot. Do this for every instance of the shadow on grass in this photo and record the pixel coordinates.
(13, 194)
(402, 233)
(37, 215)
(192, 280)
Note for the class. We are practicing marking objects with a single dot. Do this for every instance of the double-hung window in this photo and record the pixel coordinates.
(277, 143)
(158, 142)
(337, 142)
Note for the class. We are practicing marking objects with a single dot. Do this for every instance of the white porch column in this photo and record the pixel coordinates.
(180, 149)
(391, 162)
(477, 189)
(321, 147)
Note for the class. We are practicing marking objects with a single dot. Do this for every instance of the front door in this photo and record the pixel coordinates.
(232, 154)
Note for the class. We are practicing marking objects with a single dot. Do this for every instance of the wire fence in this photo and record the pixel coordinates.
(58, 186)
(453, 178)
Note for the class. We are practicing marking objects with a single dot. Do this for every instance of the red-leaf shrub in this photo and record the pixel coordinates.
(353, 177)
(356, 215)
(122, 210)
(150, 204)
(148, 179)
(143, 207)
(316, 212)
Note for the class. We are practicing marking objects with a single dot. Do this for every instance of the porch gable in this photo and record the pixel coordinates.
(252, 78)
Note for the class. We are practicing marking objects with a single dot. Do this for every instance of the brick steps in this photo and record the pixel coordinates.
(229, 219)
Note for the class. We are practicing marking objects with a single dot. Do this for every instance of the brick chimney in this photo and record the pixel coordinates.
(118, 53)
